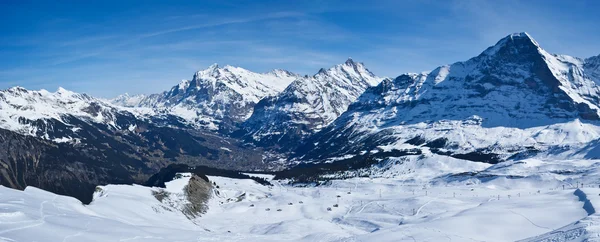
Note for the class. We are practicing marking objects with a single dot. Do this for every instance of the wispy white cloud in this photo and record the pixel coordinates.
(276, 15)
(129, 40)
(86, 40)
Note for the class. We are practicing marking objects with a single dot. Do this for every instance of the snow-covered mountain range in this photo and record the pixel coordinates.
(514, 99)
(308, 104)
(37, 113)
(215, 98)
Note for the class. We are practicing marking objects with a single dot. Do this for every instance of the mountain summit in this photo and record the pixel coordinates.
(514, 86)
(308, 104)
(217, 97)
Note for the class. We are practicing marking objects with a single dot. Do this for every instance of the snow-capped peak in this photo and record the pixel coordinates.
(349, 61)
(62, 90)
(127, 100)
(308, 104)
(521, 36)
(66, 94)
(514, 43)
(214, 66)
(23, 110)
(17, 89)
(350, 70)
(216, 96)
(251, 84)
(513, 84)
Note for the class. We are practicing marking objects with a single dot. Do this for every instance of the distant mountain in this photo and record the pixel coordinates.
(513, 100)
(52, 139)
(307, 105)
(126, 100)
(215, 98)
(592, 68)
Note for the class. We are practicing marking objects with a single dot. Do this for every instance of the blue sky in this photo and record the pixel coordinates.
(111, 47)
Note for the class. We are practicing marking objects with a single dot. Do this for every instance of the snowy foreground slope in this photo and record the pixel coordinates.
(394, 207)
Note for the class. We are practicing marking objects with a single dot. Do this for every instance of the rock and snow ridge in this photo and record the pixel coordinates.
(591, 66)
(308, 104)
(34, 112)
(215, 98)
(514, 97)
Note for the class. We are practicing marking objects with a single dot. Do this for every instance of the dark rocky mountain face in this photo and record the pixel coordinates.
(60, 168)
(108, 157)
(592, 68)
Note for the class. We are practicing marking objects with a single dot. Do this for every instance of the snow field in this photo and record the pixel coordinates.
(370, 209)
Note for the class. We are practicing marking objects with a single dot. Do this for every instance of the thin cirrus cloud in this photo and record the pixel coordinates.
(134, 39)
(276, 15)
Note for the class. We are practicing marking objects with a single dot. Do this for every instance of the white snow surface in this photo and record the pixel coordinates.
(396, 207)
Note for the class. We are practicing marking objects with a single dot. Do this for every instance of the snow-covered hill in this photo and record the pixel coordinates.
(514, 99)
(308, 104)
(215, 98)
(541, 206)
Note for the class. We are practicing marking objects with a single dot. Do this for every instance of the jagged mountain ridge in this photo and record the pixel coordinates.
(307, 105)
(512, 99)
(32, 112)
(592, 68)
(216, 98)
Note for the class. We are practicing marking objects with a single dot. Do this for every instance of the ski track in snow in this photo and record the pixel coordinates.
(41, 221)
(87, 228)
(422, 206)
(529, 220)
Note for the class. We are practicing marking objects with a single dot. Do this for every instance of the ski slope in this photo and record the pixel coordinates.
(370, 209)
